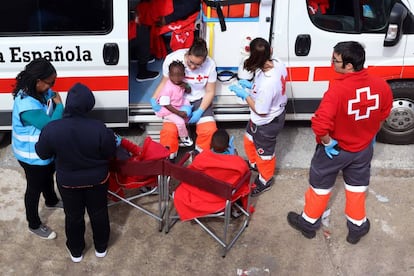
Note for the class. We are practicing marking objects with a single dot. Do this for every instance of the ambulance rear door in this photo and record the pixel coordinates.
(86, 41)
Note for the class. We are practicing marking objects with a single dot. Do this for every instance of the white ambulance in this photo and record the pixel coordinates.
(87, 41)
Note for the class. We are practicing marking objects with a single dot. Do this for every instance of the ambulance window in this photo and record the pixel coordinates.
(350, 16)
(40, 17)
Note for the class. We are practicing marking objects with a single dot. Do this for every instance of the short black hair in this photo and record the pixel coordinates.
(351, 52)
(220, 141)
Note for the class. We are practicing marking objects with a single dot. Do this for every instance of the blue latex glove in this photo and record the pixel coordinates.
(196, 116)
(155, 106)
(240, 92)
(118, 139)
(246, 84)
(231, 148)
(373, 141)
(329, 148)
(187, 109)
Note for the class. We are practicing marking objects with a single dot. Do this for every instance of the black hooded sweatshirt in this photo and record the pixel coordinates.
(82, 146)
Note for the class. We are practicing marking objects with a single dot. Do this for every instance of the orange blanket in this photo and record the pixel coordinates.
(191, 202)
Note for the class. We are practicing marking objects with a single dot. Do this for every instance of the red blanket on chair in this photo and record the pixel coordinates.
(191, 202)
(150, 150)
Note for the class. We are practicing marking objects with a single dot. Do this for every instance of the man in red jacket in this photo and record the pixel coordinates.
(345, 124)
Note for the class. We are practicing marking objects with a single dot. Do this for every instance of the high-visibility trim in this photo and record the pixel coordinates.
(355, 189)
(316, 203)
(95, 83)
(26, 138)
(321, 192)
(309, 219)
(358, 222)
(206, 119)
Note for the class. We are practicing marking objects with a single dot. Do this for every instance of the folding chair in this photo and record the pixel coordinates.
(132, 179)
(203, 197)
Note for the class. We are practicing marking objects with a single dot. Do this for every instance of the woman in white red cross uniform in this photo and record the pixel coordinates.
(345, 125)
(201, 76)
(267, 99)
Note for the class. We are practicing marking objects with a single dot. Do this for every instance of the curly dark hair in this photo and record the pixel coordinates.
(176, 64)
(26, 80)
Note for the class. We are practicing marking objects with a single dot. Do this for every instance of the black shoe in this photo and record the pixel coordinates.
(147, 75)
(260, 187)
(293, 219)
(354, 236)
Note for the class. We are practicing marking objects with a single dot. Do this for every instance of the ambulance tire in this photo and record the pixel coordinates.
(398, 129)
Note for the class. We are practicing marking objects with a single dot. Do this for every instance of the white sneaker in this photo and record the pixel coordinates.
(74, 259)
(100, 255)
(185, 142)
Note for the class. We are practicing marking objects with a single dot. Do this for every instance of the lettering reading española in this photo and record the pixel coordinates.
(57, 55)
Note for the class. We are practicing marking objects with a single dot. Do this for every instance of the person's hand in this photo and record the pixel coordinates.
(373, 141)
(231, 148)
(56, 98)
(246, 84)
(187, 109)
(329, 148)
(118, 139)
(196, 116)
(240, 92)
(155, 106)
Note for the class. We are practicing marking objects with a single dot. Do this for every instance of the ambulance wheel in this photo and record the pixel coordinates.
(398, 128)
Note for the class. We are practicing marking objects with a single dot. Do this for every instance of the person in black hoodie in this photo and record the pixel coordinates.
(82, 148)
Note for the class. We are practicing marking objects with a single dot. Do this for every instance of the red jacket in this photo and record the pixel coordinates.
(352, 110)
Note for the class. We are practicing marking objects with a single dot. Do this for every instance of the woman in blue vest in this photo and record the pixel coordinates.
(35, 105)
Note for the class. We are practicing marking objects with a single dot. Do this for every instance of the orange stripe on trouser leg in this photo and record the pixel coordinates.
(266, 168)
(250, 150)
(169, 136)
(355, 205)
(315, 204)
(204, 133)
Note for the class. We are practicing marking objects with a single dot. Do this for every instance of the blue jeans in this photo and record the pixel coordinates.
(94, 200)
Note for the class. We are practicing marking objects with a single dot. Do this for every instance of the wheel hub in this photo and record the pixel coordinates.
(402, 115)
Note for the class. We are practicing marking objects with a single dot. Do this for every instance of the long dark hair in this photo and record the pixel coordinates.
(26, 80)
(260, 53)
(198, 48)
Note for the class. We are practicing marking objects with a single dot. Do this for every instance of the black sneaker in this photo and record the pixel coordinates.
(260, 187)
(354, 236)
(147, 76)
(293, 220)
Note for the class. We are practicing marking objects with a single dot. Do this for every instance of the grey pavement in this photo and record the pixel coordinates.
(269, 246)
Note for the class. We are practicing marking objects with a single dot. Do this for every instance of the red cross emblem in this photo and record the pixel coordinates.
(363, 104)
(199, 78)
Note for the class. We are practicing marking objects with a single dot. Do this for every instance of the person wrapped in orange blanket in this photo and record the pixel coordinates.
(221, 163)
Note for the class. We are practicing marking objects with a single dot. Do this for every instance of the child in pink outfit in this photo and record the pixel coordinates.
(172, 100)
